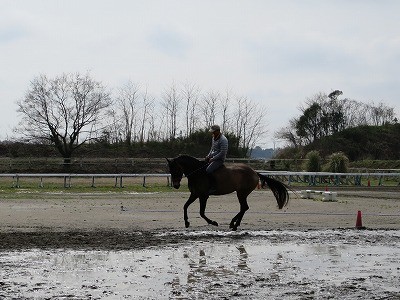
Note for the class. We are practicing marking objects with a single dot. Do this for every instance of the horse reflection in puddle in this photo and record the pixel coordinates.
(206, 274)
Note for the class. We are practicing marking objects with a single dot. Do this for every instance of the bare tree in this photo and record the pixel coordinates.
(380, 114)
(208, 108)
(171, 101)
(239, 119)
(147, 106)
(353, 113)
(127, 101)
(160, 133)
(152, 133)
(190, 95)
(249, 123)
(288, 134)
(65, 111)
(225, 104)
(112, 133)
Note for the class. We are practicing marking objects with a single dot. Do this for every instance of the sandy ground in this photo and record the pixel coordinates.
(128, 219)
(135, 246)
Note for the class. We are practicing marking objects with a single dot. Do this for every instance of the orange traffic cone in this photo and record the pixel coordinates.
(359, 220)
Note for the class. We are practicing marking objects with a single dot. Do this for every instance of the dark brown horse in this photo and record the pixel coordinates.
(238, 177)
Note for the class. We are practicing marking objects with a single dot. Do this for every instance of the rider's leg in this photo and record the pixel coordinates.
(211, 178)
(213, 185)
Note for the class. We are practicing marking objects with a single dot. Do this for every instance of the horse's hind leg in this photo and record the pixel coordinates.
(235, 223)
(203, 204)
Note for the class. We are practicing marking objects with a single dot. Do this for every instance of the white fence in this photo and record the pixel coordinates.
(319, 178)
(67, 178)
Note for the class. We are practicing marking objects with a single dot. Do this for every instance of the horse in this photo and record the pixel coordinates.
(229, 178)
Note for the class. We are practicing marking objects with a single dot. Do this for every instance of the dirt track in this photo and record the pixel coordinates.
(60, 246)
(122, 220)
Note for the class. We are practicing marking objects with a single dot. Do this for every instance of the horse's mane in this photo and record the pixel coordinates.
(189, 160)
(186, 158)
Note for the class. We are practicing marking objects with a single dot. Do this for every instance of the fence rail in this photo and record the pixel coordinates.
(67, 178)
(315, 178)
(310, 178)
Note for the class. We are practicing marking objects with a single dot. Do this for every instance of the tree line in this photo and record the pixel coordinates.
(327, 114)
(71, 110)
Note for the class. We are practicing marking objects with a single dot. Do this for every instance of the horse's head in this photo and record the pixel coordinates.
(176, 173)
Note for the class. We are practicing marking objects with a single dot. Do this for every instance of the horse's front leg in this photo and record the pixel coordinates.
(203, 204)
(191, 199)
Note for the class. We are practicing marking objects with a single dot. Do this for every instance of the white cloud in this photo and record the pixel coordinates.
(275, 52)
(170, 43)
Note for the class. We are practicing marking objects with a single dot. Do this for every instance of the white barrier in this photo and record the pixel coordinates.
(326, 196)
(329, 197)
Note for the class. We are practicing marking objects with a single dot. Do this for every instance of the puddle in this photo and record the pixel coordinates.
(251, 265)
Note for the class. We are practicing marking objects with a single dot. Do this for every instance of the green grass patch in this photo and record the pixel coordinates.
(84, 185)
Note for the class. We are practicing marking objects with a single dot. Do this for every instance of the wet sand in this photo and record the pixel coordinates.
(329, 264)
(125, 220)
(135, 246)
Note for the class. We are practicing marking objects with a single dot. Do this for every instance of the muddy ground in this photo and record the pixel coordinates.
(131, 220)
(134, 246)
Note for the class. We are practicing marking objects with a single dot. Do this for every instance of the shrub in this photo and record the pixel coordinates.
(338, 163)
(313, 162)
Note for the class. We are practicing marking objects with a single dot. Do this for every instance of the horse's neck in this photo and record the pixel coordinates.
(191, 164)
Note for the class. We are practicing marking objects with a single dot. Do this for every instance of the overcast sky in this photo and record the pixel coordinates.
(274, 52)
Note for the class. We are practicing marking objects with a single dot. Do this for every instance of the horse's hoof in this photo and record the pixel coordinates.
(234, 228)
(187, 224)
(214, 223)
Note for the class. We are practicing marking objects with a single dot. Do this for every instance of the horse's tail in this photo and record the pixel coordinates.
(278, 188)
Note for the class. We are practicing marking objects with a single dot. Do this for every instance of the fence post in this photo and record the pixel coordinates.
(16, 181)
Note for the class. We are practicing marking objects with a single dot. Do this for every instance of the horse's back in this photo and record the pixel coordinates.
(238, 177)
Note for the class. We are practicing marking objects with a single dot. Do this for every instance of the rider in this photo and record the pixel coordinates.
(216, 156)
